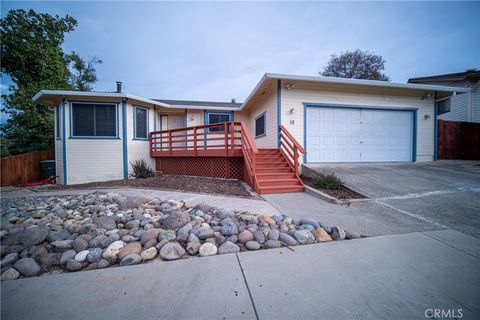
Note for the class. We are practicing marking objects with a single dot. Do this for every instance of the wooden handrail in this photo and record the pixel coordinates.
(291, 148)
(292, 139)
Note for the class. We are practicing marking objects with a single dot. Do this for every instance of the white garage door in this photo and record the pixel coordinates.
(358, 135)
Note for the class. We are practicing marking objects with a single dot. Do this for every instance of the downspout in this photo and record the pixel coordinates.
(435, 130)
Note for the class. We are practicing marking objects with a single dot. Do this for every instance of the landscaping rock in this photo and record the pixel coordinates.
(67, 255)
(10, 274)
(108, 223)
(311, 222)
(175, 220)
(274, 234)
(168, 235)
(259, 236)
(204, 233)
(8, 260)
(338, 233)
(61, 234)
(131, 259)
(149, 254)
(183, 232)
(321, 235)
(129, 248)
(79, 244)
(228, 247)
(245, 236)
(74, 265)
(193, 247)
(112, 251)
(27, 267)
(271, 244)
(229, 228)
(172, 251)
(252, 245)
(81, 256)
(94, 255)
(303, 236)
(266, 218)
(287, 239)
(103, 263)
(223, 213)
(207, 249)
(149, 235)
(352, 235)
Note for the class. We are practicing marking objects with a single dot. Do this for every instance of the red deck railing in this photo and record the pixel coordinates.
(226, 139)
(290, 148)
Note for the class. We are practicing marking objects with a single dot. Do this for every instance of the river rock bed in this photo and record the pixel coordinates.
(43, 235)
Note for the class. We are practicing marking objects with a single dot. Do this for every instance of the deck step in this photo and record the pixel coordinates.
(281, 189)
(274, 170)
(278, 182)
(267, 176)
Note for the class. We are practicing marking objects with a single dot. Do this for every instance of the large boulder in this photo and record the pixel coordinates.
(28, 237)
(172, 251)
(27, 267)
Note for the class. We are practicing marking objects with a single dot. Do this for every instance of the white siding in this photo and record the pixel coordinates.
(458, 108)
(266, 103)
(476, 105)
(138, 149)
(314, 93)
(90, 160)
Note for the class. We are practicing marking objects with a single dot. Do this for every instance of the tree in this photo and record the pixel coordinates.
(33, 58)
(356, 65)
(83, 73)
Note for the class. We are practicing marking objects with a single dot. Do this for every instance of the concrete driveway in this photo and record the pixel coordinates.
(405, 197)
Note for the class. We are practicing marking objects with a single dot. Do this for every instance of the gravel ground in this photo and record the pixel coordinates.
(173, 182)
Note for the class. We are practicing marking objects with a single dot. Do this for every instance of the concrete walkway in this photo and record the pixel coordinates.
(388, 277)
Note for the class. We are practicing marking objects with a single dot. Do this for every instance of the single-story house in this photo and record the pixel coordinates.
(286, 120)
(462, 107)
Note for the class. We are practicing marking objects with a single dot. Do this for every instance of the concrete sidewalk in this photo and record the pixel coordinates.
(395, 277)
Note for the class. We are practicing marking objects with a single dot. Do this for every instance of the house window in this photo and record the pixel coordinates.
(141, 123)
(58, 123)
(218, 117)
(260, 122)
(94, 120)
(444, 106)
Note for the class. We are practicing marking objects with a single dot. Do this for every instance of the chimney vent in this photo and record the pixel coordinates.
(119, 86)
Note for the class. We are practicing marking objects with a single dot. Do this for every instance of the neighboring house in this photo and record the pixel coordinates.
(334, 120)
(462, 107)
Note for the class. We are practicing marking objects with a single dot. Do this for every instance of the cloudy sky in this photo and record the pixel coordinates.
(220, 50)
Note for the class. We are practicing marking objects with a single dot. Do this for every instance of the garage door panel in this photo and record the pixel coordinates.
(355, 135)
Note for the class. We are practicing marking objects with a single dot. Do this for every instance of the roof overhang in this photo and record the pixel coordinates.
(51, 97)
(355, 83)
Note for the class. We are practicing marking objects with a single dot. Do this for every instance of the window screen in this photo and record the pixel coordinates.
(260, 126)
(141, 131)
(94, 120)
(218, 118)
(444, 106)
(58, 122)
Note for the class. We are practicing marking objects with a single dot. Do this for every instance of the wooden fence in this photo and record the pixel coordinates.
(458, 140)
(24, 168)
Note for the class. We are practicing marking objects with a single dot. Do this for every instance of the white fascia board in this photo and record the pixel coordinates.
(120, 95)
(373, 83)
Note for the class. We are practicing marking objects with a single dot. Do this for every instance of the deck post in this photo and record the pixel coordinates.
(225, 130)
(232, 136)
(170, 141)
(195, 141)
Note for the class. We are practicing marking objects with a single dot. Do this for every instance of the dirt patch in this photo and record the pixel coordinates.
(342, 193)
(172, 182)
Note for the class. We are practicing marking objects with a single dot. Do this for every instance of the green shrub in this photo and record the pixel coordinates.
(328, 181)
(141, 169)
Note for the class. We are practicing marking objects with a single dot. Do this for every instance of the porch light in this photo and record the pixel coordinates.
(289, 86)
(292, 111)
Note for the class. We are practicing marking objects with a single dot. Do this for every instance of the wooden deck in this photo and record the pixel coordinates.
(226, 150)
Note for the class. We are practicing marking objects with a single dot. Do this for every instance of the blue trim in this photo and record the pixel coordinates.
(207, 113)
(307, 105)
(135, 123)
(125, 148)
(435, 129)
(279, 109)
(264, 113)
(65, 180)
(70, 106)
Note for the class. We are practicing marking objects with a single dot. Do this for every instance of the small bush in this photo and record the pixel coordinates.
(328, 181)
(141, 169)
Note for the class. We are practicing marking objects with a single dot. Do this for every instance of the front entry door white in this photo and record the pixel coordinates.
(358, 135)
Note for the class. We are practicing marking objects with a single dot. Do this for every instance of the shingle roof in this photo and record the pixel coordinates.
(200, 103)
(459, 76)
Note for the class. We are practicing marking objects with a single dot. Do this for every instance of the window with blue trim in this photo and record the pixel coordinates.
(141, 123)
(94, 120)
(216, 117)
(260, 125)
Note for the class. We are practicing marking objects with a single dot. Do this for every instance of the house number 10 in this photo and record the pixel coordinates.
(292, 121)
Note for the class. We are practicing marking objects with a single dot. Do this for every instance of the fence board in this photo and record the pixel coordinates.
(24, 168)
(458, 140)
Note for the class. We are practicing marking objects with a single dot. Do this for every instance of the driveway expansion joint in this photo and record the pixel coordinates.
(248, 288)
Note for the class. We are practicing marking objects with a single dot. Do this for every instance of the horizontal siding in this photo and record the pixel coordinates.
(314, 93)
(90, 160)
(266, 102)
(458, 108)
(476, 105)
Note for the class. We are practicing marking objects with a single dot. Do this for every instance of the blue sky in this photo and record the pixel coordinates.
(220, 50)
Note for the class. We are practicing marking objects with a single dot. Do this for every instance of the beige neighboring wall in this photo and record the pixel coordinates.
(360, 96)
